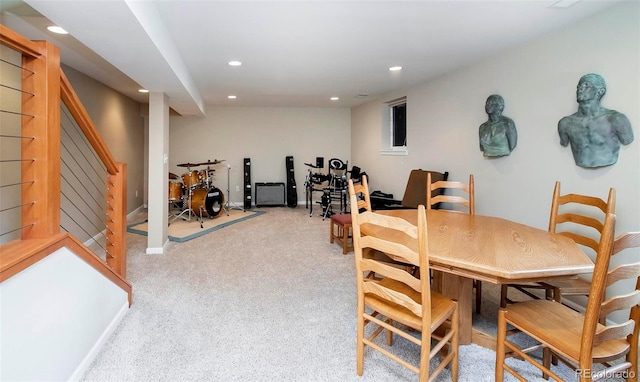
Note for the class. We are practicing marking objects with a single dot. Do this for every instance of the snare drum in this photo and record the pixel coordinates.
(175, 191)
(190, 179)
(210, 202)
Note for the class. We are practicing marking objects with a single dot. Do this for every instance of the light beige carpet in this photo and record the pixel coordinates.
(181, 230)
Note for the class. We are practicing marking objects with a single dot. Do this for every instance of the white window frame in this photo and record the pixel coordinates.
(388, 129)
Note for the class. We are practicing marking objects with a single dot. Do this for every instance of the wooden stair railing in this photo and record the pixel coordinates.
(21, 254)
(44, 86)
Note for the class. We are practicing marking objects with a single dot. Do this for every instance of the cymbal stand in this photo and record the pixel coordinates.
(227, 205)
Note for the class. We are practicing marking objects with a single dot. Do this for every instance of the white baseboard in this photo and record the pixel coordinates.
(139, 209)
(156, 250)
(95, 349)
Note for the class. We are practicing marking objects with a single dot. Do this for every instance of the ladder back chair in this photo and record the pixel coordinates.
(340, 224)
(400, 299)
(581, 218)
(594, 350)
(453, 193)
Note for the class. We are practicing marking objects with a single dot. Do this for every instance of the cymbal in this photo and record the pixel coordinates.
(173, 176)
(209, 162)
(188, 164)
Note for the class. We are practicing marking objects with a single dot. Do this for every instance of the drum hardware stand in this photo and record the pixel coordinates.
(227, 205)
(189, 210)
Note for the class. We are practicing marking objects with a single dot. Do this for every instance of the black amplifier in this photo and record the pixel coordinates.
(270, 194)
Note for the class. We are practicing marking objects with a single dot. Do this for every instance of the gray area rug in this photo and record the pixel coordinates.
(266, 299)
(181, 230)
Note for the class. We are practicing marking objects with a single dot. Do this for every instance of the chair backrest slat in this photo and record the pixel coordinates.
(363, 200)
(580, 217)
(623, 272)
(467, 199)
(400, 240)
(362, 190)
(613, 332)
(628, 330)
(620, 302)
(391, 295)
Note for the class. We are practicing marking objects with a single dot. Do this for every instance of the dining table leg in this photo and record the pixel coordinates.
(460, 289)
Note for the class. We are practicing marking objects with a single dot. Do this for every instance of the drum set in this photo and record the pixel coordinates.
(333, 186)
(196, 195)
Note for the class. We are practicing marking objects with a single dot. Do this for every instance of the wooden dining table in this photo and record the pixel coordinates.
(467, 247)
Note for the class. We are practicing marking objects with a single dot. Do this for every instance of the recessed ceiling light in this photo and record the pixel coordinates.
(143, 91)
(335, 98)
(395, 68)
(56, 29)
(235, 63)
(232, 97)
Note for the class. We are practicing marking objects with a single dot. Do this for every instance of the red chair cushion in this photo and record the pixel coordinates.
(341, 219)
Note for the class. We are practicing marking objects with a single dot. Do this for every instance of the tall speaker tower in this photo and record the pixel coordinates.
(247, 183)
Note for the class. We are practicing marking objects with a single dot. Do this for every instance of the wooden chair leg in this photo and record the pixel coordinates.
(345, 238)
(331, 231)
(478, 296)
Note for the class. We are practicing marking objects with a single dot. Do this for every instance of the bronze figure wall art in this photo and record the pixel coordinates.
(594, 133)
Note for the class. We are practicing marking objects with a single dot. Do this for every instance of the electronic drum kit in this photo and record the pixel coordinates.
(335, 189)
(196, 194)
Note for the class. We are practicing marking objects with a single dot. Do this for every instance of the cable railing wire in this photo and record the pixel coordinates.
(81, 227)
(83, 189)
(17, 66)
(16, 113)
(101, 192)
(88, 148)
(17, 229)
(81, 198)
(16, 89)
(17, 206)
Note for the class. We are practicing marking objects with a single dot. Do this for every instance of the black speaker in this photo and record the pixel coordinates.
(247, 183)
(292, 192)
(320, 162)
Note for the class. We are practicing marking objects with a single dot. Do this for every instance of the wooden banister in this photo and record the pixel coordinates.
(17, 42)
(79, 113)
(20, 254)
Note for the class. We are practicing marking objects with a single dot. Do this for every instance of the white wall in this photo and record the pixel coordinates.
(53, 324)
(266, 135)
(538, 82)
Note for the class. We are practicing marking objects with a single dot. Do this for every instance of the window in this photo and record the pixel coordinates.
(394, 130)
(399, 125)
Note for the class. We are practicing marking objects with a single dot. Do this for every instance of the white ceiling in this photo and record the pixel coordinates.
(294, 53)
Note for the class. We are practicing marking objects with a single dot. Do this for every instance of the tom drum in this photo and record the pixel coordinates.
(175, 191)
(210, 202)
(190, 179)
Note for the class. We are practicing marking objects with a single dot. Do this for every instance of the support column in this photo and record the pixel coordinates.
(158, 208)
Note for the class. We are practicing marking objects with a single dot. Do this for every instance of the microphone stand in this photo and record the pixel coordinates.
(227, 205)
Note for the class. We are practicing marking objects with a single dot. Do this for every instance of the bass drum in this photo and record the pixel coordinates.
(209, 201)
